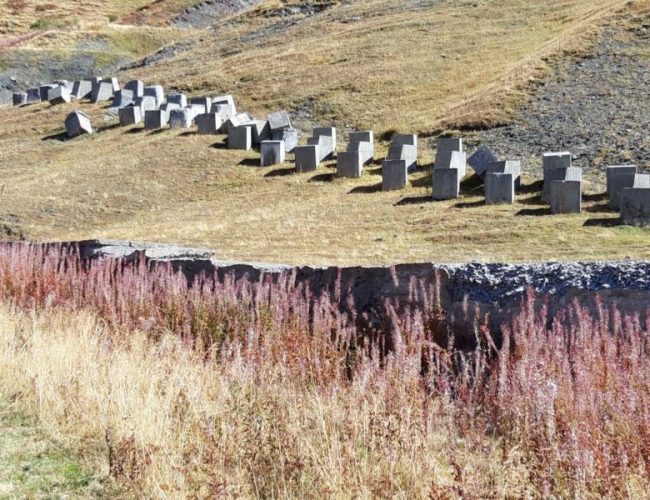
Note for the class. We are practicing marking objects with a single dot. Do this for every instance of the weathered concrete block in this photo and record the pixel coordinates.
(362, 136)
(166, 106)
(279, 120)
(394, 174)
(78, 123)
(635, 207)
(406, 152)
(322, 144)
(180, 99)
(206, 102)
(225, 111)
(19, 98)
(290, 136)
(556, 160)
(449, 144)
(155, 119)
(326, 137)
(451, 159)
(240, 138)
(209, 123)
(102, 91)
(65, 84)
(135, 86)
(367, 150)
(130, 115)
(147, 103)
(614, 170)
(506, 167)
(404, 140)
(499, 187)
(446, 183)
(180, 118)
(227, 100)
(558, 173)
(82, 89)
(260, 130)
(566, 197)
(58, 95)
(33, 95)
(480, 160)
(44, 90)
(157, 92)
(625, 180)
(307, 158)
(236, 121)
(196, 110)
(271, 153)
(349, 164)
(123, 98)
(114, 83)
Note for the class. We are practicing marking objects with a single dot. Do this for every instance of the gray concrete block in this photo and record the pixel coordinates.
(279, 120)
(114, 83)
(614, 170)
(166, 106)
(102, 91)
(367, 150)
(566, 197)
(449, 144)
(78, 123)
(44, 90)
(328, 144)
(404, 140)
(635, 207)
(625, 180)
(206, 102)
(135, 86)
(33, 95)
(446, 183)
(157, 92)
(480, 160)
(322, 144)
(240, 138)
(260, 130)
(155, 119)
(82, 89)
(225, 111)
(362, 136)
(196, 110)
(227, 100)
(394, 174)
(446, 159)
(290, 136)
(58, 95)
(180, 118)
(209, 123)
(499, 187)
(19, 98)
(65, 84)
(307, 158)
(236, 121)
(559, 174)
(130, 115)
(406, 152)
(349, 164)
(271, 153)
(147, 103)
(556, 160)
(506, 167)
(180, 99)
(123, 98)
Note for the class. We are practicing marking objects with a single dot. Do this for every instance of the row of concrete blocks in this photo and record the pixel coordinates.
(629, 193)
(64, 91)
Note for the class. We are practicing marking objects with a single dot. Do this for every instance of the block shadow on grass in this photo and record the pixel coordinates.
(414, 200)
(280, 172)
(373, 188)
(534, 212)
(603, 222)
(61, 137)
(327, 177)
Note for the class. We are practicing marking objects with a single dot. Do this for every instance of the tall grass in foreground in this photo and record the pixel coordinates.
(261, 389)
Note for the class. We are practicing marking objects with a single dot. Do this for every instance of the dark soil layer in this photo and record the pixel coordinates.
(595, 107)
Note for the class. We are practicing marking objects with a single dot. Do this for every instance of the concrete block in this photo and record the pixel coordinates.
(559, 174)
(123, 98)
(404, 140)
(614, 170)
(114, 83)
(196, 110)
(209, 123)
(480, 160)
(155, 119)
(58, 95)
(236, 121)
(446, 183)
(225, 111)
(260, 130)
(82, 89)
(65, 84)
(33, 95)
(451, 159)
(78, 123)
(362, 136)
(279, 120)
(180, 99)
(19, 98)
(566, 197)
(102, 91)
(166, 106)
(366, 149)
(328, 144)
(206, 102)
(307, 158)
(406, 152)
(135, 86)
(556, 160)
(157, 92)
(394, 174)
(130, 115)
(44, 90)
(323, 145)
(499, 187)
(349, 164)
(240, 138)
(290, 136)
(227, 100)
(625, 180)
(146, 103)
(506, 167)
(271, 153)
(449, 144)
(635, 207)
(180, 118)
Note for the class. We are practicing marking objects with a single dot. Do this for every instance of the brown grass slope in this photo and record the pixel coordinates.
(385, 70)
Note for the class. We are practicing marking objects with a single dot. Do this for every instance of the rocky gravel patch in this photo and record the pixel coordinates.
(594, 107)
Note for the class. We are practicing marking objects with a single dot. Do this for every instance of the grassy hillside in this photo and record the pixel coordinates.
(416, 66)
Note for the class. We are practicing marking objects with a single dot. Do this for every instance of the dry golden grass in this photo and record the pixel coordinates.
(178, 427)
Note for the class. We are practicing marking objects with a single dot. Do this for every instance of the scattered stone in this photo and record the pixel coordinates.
(271, 153)
(78, 123)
